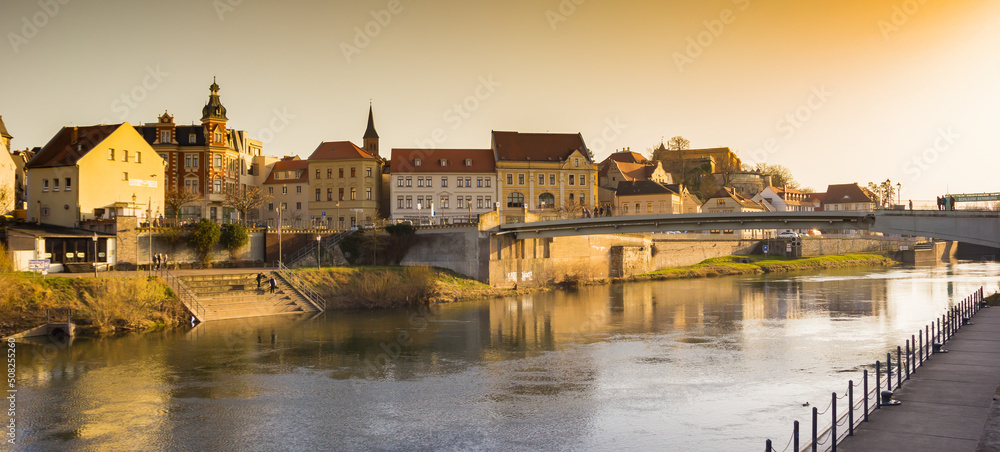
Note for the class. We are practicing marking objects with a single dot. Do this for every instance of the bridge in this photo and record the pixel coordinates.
(974, 227)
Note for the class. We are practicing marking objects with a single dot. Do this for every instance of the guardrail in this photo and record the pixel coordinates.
(326, 242)
(184, 294)
(307, 292)
(919, 348)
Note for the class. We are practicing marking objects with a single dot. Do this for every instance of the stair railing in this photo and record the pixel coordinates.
(184, 294)
(298, 284)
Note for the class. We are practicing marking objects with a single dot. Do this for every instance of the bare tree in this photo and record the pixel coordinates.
(884, 193)
(6, 198)
(780, 176)
(177, 198)
(678, 143)
(246, 200)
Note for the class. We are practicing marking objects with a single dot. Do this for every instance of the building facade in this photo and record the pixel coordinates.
(727, 200)
(287, 189)
(8, 172)
(626, 167)
(345, 184)
(646, 197)
(441, 186)
(549, 174)
(93, 173)
(785, 200)
(848, 197)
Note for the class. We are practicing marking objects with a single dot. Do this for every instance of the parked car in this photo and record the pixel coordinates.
(788, 235)
(815, 233)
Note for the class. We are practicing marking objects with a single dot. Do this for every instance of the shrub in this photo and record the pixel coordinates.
(390, 288)
(205, 237)
(233, 237)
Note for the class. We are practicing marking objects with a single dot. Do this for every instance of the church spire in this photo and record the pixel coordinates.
(371, 136)
(213, 111)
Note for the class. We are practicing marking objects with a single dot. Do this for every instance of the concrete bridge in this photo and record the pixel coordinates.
(974, 227)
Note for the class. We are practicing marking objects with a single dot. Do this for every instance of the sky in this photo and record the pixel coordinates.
(838, 91)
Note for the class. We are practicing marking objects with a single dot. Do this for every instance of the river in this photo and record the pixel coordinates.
(687, 365)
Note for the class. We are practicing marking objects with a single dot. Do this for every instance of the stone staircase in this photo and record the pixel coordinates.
(236, 295)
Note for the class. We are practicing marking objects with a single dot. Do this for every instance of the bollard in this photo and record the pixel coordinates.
(850, 407)
(878, 385)
(938, 348)
(795, 436)
(866, 395)
(767, 446)
(899, 367)
(815, 415)
(887, 399)
(833, 424)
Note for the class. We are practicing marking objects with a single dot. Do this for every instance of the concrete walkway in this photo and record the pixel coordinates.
(204, 271)
(948, 403)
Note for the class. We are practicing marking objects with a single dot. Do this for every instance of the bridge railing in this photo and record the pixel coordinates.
(919, 349)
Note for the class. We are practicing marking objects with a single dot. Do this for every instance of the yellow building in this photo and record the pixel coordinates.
(549, 174)
(345, 182)
(287, 187)
(8, 172)
(94, 172)
(645, 197)
(719, 160)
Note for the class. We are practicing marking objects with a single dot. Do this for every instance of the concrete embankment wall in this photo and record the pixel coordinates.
(679, 252)
(457, 249)
(828, 246)
(180, 251)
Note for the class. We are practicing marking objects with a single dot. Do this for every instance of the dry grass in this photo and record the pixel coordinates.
(733, 265)
(373, 287)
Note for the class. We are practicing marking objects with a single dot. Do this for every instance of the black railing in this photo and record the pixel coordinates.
(917, 351)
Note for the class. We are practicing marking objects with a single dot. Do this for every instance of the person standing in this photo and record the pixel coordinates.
(951, 201)
(163, 260)
(273, 284)
(911, 204)
(156, 262)
(260, 276)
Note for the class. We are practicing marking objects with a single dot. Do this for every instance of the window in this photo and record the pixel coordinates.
(329, 194)
(194, 160)
(444, 202)
(541, 179)
(420, 203)
(479, 182)
(318, 194)
(625, 208)
(164, 136)
(354, 193)
(510, 179)
(329, 173)
(45, 185)
(55, 184)
(354, 172)
(284, 190)
(409, 181)
(576, 163)
(187, 160)
(515, 199)
(416, 162)
(444, 182)
(489, 202)
(340, 194)
(138, 157)
(270, 190)
(284, 206)
(488, 182)
(192, 138)
(552, 179)
(218, 160)
(399, 181)
(546, 201)
(468, 182)
(458, 182)
(191, 185)
(409, 202)
(571, 179)
(520, 179)
(468, 162)
(720, 201)
(444, 162)
(583, 179)
(270, 206)
(69, 184)
(298, 206)
(430, 181)
(217, 186)
(125, 175)
(125, 155)
(460, 202)
(317, 174)
(368, 172)
(399, 202)
(420, 182)
(298, 189)
(649, 207)
(111, 154)
(479, 202)
(368, 194)
(637, 208)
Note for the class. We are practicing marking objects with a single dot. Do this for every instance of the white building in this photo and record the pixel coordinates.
(441, 186)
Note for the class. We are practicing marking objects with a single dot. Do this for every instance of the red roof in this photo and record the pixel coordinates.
(70, 144)
(847, 193)
(289, 165)
(553, 147)
(627, 157)
(404, 161)
(339, 150)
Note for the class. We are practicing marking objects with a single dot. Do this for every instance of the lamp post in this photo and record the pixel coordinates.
(319, 263)
(149, 221)
(340, 224)
(899, 186)
(136, 235)
(356, 212)
(94, 238)
(278, 209)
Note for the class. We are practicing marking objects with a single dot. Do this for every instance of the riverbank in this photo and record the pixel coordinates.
(758, 264)
(99, 305)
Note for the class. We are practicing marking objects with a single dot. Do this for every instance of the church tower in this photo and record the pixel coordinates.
(213, 118)
(371, 137)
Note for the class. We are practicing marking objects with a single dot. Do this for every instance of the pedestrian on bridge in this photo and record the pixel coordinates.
(911, 204)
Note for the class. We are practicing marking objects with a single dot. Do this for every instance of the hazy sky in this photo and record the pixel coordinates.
(838, 91)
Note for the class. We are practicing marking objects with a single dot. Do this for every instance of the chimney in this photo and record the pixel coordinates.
(73, 134)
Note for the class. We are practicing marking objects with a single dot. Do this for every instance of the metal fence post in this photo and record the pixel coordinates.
(899, 367)
(795, 436)
(908, 360)
(878, 385)
(866, 395)
(850, 407)
(833, 425)
(920, 351)
(767, 447)
(815, 415)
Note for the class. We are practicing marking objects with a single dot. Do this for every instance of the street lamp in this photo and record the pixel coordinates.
(899, 186)
(356, 212)
(149, 221)
(340, 223)
(319, 263)
(94, 238)
(278, 209)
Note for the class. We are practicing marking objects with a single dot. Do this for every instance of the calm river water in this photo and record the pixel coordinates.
(691, 365)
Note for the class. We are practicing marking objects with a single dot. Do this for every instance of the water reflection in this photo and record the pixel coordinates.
(711, 364)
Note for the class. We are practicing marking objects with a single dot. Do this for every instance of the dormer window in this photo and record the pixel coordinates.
(416, 162)
(576, 162)
(217, 137)
(192, 138)
(468, 162)
(444, 162)
(164, 136)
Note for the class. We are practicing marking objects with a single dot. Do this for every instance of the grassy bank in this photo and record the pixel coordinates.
(755, 265)
(99, 305)
(386, 287)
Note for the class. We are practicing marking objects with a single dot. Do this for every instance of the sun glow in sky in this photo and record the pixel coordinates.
(837, 91)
